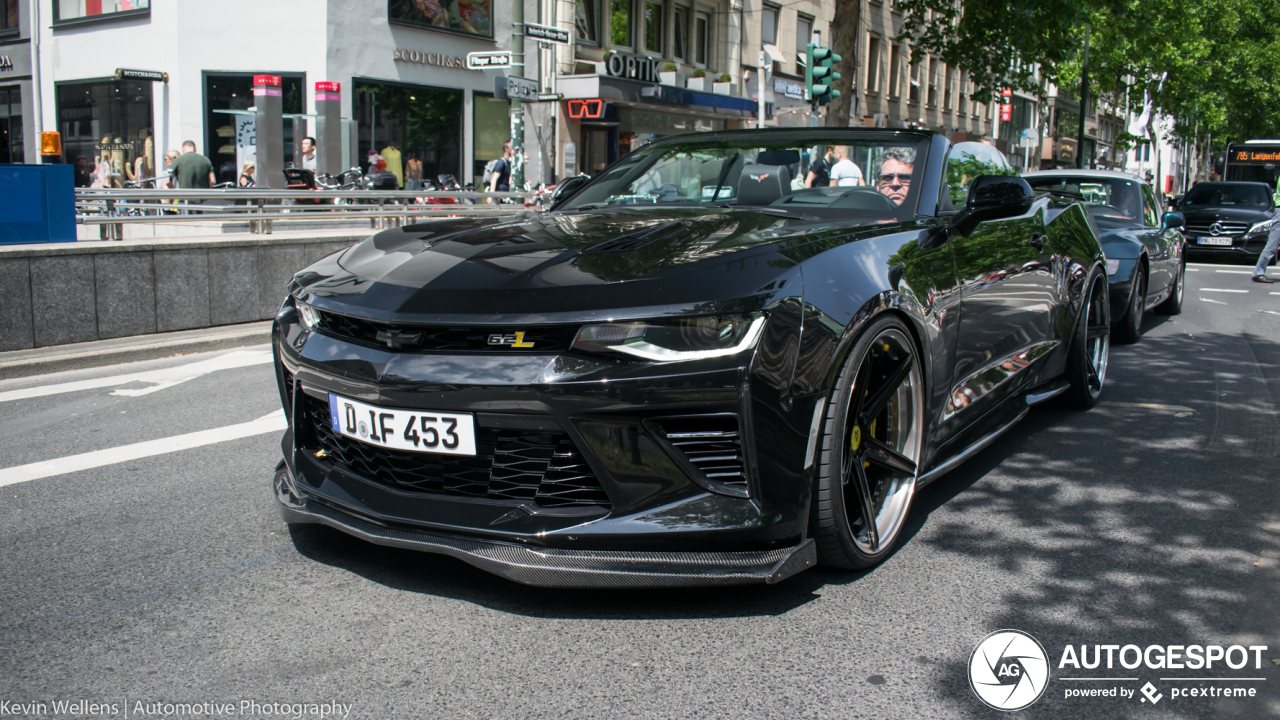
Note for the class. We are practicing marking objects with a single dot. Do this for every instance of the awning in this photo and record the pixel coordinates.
(653, 96)
(774, 53)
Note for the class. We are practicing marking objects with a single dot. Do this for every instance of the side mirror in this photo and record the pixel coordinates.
(991, 197)
(1174, 220)
(567, 187)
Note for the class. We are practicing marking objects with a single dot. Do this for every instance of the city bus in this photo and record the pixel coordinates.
(1253, 161)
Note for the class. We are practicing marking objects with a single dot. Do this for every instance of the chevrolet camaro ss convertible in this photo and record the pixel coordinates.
(694, 369)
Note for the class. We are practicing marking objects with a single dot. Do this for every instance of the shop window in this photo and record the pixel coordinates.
(76, 11)
(234, 91)
(804, 36)
(8, 15)
(873, 64)
(587, 21)
(895, 71)
(769, 25)
(108, 124)
(702, 38)
(653, 27)
(932, 98)
(490, 127)
(681, 49)
(468, 17)
(913, 89)
(948, 89)
(620, 24)
(10, 125)
(399, 123)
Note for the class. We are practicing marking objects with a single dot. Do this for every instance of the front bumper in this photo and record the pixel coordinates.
(561, 568)
(1247, 245)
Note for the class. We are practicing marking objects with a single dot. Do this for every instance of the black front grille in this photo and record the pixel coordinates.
(543, 467)
(434, 338)
(1224, 228)
(711, 443)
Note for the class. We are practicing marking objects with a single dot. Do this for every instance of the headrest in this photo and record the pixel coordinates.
(763, 184)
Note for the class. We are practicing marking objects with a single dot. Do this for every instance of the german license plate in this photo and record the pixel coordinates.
(1215, 241)
(413, 430)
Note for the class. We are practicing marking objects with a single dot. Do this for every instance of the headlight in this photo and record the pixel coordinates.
(310, 316)
(677, 339)
(1263, 226)
(1113, 267)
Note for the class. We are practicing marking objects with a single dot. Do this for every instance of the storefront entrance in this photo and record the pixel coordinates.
(10, 125)
(401, 122)
(234, 91)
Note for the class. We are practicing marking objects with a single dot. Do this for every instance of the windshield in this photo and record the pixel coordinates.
(1109, 201)
(1227, 194)
(876, 179)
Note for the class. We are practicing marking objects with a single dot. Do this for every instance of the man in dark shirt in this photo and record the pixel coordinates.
(820, 171)
(501, 181)
(192, 170)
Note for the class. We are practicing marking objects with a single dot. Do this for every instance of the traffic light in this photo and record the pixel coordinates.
(820, 75)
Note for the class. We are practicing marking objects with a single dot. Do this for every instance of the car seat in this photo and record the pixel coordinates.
(763, 184)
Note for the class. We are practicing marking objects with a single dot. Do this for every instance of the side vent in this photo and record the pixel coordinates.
(712, 445)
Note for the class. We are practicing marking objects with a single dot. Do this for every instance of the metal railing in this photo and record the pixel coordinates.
(112, 208)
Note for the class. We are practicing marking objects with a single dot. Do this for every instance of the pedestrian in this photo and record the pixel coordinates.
(83, 178)
(1268, 252)
(500, 180)
(167, 183)
(820, 170)
(246, 175)
(309, 153)
(845, 172)
(193, 170)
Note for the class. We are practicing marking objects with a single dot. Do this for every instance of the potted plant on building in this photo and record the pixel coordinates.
(723, 86)
(698, 81)
(668, 74)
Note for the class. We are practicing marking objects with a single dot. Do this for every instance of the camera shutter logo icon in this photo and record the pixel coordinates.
(1009, 670)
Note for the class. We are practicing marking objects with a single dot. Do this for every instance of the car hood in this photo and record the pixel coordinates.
(589, 263)
(1208, 215)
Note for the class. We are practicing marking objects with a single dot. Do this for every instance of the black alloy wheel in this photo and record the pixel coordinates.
(1091, 347)
(1173, 305)
(870, 448)
(1129, 329)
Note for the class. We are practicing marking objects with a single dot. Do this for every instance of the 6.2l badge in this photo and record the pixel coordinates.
(515, 340)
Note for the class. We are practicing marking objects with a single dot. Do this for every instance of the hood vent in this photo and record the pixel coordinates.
(640, 238)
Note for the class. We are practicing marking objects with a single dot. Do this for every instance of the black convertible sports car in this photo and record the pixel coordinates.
(1146, 252)
(692, 369)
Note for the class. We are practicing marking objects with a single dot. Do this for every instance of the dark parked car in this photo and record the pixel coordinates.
(1146, 263)
(1228, 218)
(692, 369)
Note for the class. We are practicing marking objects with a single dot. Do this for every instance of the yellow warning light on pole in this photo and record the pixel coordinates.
(50, 143)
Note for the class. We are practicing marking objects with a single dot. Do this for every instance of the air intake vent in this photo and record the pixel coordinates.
(712, 444)
(635, 240)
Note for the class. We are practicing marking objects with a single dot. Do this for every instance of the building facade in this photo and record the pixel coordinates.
(18, 140)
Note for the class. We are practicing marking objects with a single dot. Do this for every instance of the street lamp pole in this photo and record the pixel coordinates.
(1084, 99)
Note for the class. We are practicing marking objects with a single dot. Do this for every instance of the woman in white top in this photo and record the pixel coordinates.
(845, 173)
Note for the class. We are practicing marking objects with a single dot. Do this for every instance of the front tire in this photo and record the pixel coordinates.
(1129, 329)
(870, 448)
(1090, 347)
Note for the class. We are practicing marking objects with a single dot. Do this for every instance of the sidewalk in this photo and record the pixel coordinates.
(24, 363)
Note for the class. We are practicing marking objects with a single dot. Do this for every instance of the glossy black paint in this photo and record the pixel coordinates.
(819, 284)
(1147, 246)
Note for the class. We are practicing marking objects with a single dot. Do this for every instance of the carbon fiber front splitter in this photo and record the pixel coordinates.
(549, 567)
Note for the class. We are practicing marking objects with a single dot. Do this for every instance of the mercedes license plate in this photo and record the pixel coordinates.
(1215, 241)
(413, 430)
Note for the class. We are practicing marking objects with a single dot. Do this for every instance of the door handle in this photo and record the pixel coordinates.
(1037, 242)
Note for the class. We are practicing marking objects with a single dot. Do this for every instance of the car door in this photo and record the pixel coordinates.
(1006, 303)
(1160, 244)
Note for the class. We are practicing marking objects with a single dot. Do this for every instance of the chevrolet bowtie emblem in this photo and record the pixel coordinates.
(396, 339)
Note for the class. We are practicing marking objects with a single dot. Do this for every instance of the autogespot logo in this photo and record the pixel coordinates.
(1009, 670)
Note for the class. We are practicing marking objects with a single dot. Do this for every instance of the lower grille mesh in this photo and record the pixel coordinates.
(542, 467)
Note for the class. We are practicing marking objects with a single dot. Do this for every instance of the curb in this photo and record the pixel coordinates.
(40, 361)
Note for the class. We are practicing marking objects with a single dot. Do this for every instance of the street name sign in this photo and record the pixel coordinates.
(546, 33)
(486, 60)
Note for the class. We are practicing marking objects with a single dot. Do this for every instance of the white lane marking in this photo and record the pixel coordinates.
(1274, 293)
(1190, 269)
(1236, 272)
(165, 378)
(1180, 410)
(1215, 302)
(1270, 312)
(1230, 290)
(273, 422)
